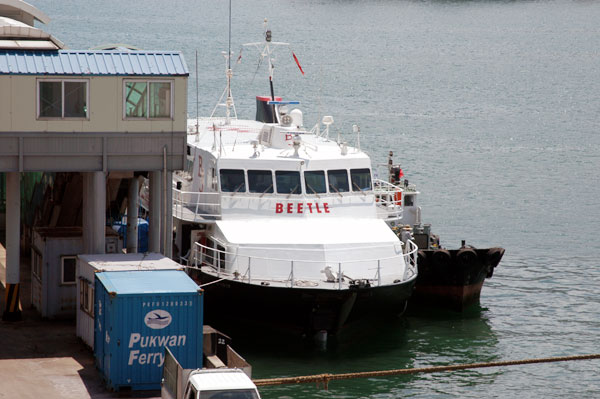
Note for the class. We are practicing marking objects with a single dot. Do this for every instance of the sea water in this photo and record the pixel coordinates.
(493, 110)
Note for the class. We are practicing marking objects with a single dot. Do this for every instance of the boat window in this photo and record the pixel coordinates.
(338, 180)
(315, 182)
(288, 182)
(209, 253)
(260, 181)
(220, 255)
(361, 179)
(232, 180)
(409, 200)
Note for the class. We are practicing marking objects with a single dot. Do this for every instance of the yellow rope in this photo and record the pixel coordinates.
(325, 378)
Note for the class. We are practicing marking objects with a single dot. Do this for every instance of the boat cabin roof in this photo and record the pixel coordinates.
(241, 140)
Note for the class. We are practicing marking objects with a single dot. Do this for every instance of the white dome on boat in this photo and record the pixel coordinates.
(297, 117)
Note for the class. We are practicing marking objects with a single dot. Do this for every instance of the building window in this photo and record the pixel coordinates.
(86, 297)
(68, 265)
(36, 264)
(148, 99)
(62, 99)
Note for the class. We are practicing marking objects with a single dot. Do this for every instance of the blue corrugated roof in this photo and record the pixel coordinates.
(93, 62)
(147, 282)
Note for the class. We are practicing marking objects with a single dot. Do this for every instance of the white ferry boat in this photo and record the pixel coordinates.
(285, 224)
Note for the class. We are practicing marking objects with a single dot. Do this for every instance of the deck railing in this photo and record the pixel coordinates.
(219, 260)
(196, 206)
(388, 198)
(201, 207)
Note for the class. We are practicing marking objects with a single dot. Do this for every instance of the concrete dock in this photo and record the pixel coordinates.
(44, 358)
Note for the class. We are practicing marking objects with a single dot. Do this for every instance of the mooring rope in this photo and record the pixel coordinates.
(325, 378)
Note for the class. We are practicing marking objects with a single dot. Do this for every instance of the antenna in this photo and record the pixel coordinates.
(197, 95)
(228, 104)
(356, 130)
(266, 49)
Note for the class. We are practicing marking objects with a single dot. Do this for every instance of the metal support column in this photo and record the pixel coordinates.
(94, 212)
(98, 212)
(132, 215)
(169, 217)
(155, 212)
(86, 213)
(12, 311)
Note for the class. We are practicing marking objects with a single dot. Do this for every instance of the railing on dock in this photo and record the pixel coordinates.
(388, 198)
(264, 269)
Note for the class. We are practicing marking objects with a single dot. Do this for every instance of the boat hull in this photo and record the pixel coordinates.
(454, 278)
(303, 310)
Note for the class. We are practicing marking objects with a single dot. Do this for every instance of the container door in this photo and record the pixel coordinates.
(100, 308)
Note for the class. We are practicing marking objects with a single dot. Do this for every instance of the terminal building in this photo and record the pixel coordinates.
(102, 114)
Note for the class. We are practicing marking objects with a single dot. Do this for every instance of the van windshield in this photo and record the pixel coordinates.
(229, 394)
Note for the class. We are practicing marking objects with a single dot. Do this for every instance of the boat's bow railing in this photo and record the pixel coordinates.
(410, 258)
(293, 272)
(196, 206)
(388, 198)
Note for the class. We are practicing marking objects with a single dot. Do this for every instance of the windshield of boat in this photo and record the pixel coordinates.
(338, 180)
(260, 181)
(229, 394)
(232, 180)
(288, 182)
(361, 179)
(315, 182)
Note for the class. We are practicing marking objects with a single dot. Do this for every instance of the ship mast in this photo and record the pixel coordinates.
(228, 104)
(266, 49)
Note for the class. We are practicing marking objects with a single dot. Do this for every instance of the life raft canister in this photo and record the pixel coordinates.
(398, 198)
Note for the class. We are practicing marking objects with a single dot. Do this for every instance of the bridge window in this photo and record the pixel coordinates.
(260, 181)
(338, 181)
(361, 179)
(232, 180)
(62, 99)
(148, 99)
(288, 182)
(315, 182)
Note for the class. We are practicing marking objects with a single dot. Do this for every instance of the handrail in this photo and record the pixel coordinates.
(389, 199)
(189, 205)
(204, 255)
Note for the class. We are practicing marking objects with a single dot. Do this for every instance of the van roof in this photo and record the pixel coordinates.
(217, 379)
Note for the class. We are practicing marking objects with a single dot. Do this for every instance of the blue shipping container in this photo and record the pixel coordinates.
(137, 314)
